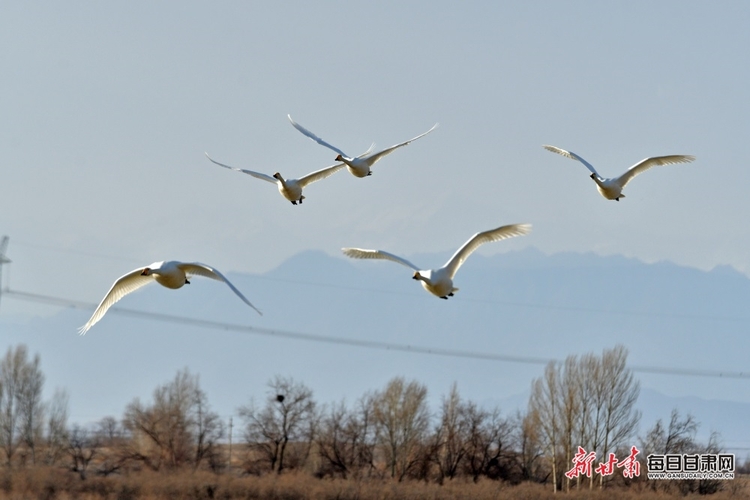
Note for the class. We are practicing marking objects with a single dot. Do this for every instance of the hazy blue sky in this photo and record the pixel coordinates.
(108, 108)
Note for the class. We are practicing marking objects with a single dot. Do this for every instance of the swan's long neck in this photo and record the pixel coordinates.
(597, 179)
(421, 277)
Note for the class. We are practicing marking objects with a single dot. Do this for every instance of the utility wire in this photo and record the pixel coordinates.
(367, 344)
(74, 252)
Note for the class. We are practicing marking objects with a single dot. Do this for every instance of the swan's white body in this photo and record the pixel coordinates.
(291, 189)
(360, 165)
(612, 188)
(439, 282)
(171, 274)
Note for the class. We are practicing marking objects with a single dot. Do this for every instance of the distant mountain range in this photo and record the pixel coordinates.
(524, 307)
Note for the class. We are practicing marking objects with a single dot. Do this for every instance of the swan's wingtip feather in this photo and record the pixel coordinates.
(356, 253)
(255, 308)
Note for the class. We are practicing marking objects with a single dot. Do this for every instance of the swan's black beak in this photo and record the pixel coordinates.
(186, 281)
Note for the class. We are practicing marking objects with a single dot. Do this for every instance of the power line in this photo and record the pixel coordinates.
(74, 252)
(367, 344)
(3, 258)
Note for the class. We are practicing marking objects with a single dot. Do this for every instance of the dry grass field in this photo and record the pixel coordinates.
(388, 445)
(55, 483)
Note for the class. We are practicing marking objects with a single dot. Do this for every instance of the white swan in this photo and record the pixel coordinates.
(360, 165)
(439, 282)
(612, 188)
(291, 189)
(170, 274)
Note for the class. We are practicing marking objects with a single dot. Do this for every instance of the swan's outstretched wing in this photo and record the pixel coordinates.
(360, 253)
(319, 174)
(196, 268)
(572, 156)
(315, 137)
(478, 239)
(377, 156)
(654, 161)
(123, 286)
(257, 175)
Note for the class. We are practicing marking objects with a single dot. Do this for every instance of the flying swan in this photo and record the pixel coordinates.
(360, 165)
(170, 274)
(291, 189)
(611, 189)
(439, 282)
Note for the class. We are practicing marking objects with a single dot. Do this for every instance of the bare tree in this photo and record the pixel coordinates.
(402, 420)
(334, 442)
(110, 430)
(593, 394)
(10, 374)
(677, 437)
(527, 446)
(544, 410)
(710, 486)
(209, 429)
(620, 418)
(488, 445)
(571, 408)
(21, 407)
(57, 424)
(346, 439)
(115, 445)
(451, 437)
(83, 446)
(30, 406)
(588, 403)
(289, 415)
(177, 429)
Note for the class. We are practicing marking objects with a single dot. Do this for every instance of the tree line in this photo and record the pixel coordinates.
(586, 401)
